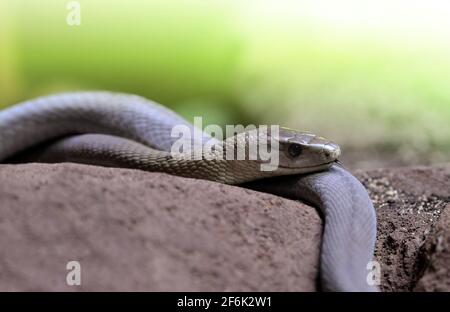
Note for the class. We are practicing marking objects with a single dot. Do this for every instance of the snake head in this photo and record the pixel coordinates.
(305, 150)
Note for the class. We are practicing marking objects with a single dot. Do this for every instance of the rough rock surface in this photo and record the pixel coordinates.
(133, 230)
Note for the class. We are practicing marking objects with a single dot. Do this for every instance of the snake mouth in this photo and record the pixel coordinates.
(311, 168)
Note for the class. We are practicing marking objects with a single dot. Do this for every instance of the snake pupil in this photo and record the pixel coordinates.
(295, 150)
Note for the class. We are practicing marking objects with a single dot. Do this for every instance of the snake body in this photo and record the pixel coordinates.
(122, 130)
(350, 223)
(146, 125)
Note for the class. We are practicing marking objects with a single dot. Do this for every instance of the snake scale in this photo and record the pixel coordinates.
(123, 130)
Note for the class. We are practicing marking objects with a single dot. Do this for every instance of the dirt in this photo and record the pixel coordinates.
(409, 203)
(435, 255)
(133, 230)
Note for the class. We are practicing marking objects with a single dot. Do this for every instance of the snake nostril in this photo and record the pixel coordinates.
(331, 151)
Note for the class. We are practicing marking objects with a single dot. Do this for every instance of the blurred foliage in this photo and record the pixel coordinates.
(365, 73)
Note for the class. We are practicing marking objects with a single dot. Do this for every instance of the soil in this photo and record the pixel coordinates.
(409, 203)
(132, 230)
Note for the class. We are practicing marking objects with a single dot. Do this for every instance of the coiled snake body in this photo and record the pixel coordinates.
(113, 129)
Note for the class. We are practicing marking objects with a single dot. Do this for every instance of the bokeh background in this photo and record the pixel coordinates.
(373, 76)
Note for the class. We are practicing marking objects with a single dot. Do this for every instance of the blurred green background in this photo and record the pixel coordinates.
(373, 76)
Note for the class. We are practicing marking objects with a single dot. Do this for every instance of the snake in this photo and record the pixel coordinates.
(129, 131)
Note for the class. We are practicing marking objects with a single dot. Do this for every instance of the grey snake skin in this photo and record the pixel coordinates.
(124, 130)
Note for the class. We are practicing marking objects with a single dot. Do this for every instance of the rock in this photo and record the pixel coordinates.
(132, 230)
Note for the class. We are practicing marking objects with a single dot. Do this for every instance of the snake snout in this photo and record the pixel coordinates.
(331, 151)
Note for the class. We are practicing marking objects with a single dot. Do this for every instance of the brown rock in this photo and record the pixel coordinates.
(133, 230)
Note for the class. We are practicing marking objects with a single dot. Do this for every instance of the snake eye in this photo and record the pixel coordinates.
(295, 150)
